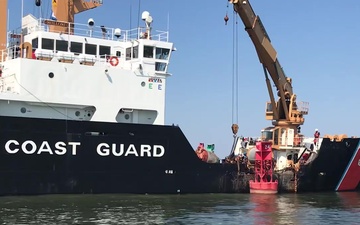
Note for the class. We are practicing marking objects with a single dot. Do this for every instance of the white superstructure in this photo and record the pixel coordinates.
(94, 73)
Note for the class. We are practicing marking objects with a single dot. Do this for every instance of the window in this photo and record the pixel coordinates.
(118, 54)
(162, 53)
(159, 66)
(90, 49)
(61, 45)
(76, 47)
(35, 43)
(104, 50)
(148, 52)
(136, 52)
(47, 44)
(128, 53)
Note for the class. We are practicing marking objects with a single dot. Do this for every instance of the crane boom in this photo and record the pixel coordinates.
(3, 24)
(283, 112)
(65, 11)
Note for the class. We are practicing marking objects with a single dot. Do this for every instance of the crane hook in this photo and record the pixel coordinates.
(226, 19)
(234, 128)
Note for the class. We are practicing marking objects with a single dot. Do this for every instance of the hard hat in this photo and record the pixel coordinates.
(316, 129)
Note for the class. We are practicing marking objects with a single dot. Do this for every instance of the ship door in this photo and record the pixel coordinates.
(119, 53)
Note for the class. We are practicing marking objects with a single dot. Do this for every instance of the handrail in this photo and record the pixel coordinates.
(100, 32)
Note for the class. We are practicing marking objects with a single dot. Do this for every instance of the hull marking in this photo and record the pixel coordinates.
(351, 177)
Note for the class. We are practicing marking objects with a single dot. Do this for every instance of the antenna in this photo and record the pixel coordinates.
(168, 25)
(130, 14)
(148, 20)
(138, 25)
(22, 10)
(117, 33)
(91, 24)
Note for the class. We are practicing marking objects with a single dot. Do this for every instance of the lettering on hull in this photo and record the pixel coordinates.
(30, 147)
(105, 149)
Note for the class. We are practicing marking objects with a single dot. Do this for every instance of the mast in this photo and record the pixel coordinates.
(3, 24)
(64, 11)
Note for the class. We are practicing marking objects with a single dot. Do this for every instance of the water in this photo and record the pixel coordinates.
(317, 208)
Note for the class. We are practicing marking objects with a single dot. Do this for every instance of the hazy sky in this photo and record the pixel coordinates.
(317, 43)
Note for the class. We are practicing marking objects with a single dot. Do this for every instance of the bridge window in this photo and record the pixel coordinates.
(61, 45)
(35, 43)
(76, 47)
(47, 44)
(276, 136)
(135, 52)
(90, 49)
(104, 50)
(128, 53)
(162, 53)
(159, 66)
(148, 52)
(269, 107)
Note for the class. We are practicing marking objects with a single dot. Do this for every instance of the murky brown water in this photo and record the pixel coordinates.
(328, 208)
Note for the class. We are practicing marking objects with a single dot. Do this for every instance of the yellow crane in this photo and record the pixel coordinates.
(284, 112)
(65, 11)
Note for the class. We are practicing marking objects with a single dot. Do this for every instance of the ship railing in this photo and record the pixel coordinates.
(3, 55)
(290, 142)
(100, 32)
(14, 52)
(11, 52)
(303, 107)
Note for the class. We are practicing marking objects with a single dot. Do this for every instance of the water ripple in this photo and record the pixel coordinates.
(214, 209)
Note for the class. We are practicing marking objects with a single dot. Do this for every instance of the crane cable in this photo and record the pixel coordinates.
(235, 77)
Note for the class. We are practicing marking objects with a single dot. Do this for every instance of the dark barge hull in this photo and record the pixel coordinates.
(336, 167)
(44, 156)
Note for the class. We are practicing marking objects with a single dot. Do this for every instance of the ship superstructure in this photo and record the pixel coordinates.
(92, 73)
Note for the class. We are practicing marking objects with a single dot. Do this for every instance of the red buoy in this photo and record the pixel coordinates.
(264, 182)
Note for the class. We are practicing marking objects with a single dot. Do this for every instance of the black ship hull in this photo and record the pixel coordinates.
(335, 168)
(44, 156)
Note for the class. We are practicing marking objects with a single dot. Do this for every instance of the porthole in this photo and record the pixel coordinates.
(127, 116)
(143, 84)
(51, 74)
(77, 113)
(23, 110)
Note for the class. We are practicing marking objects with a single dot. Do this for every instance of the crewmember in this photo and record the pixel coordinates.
(316, 137)
(33, 55)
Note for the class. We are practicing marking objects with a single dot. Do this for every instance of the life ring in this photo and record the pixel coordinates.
(114, 61)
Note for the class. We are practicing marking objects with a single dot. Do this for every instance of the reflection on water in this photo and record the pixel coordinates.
(316, 208)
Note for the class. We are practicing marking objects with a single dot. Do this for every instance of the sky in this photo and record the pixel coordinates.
(317, 44)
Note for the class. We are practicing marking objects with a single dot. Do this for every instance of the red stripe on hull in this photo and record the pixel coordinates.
(352, 175)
